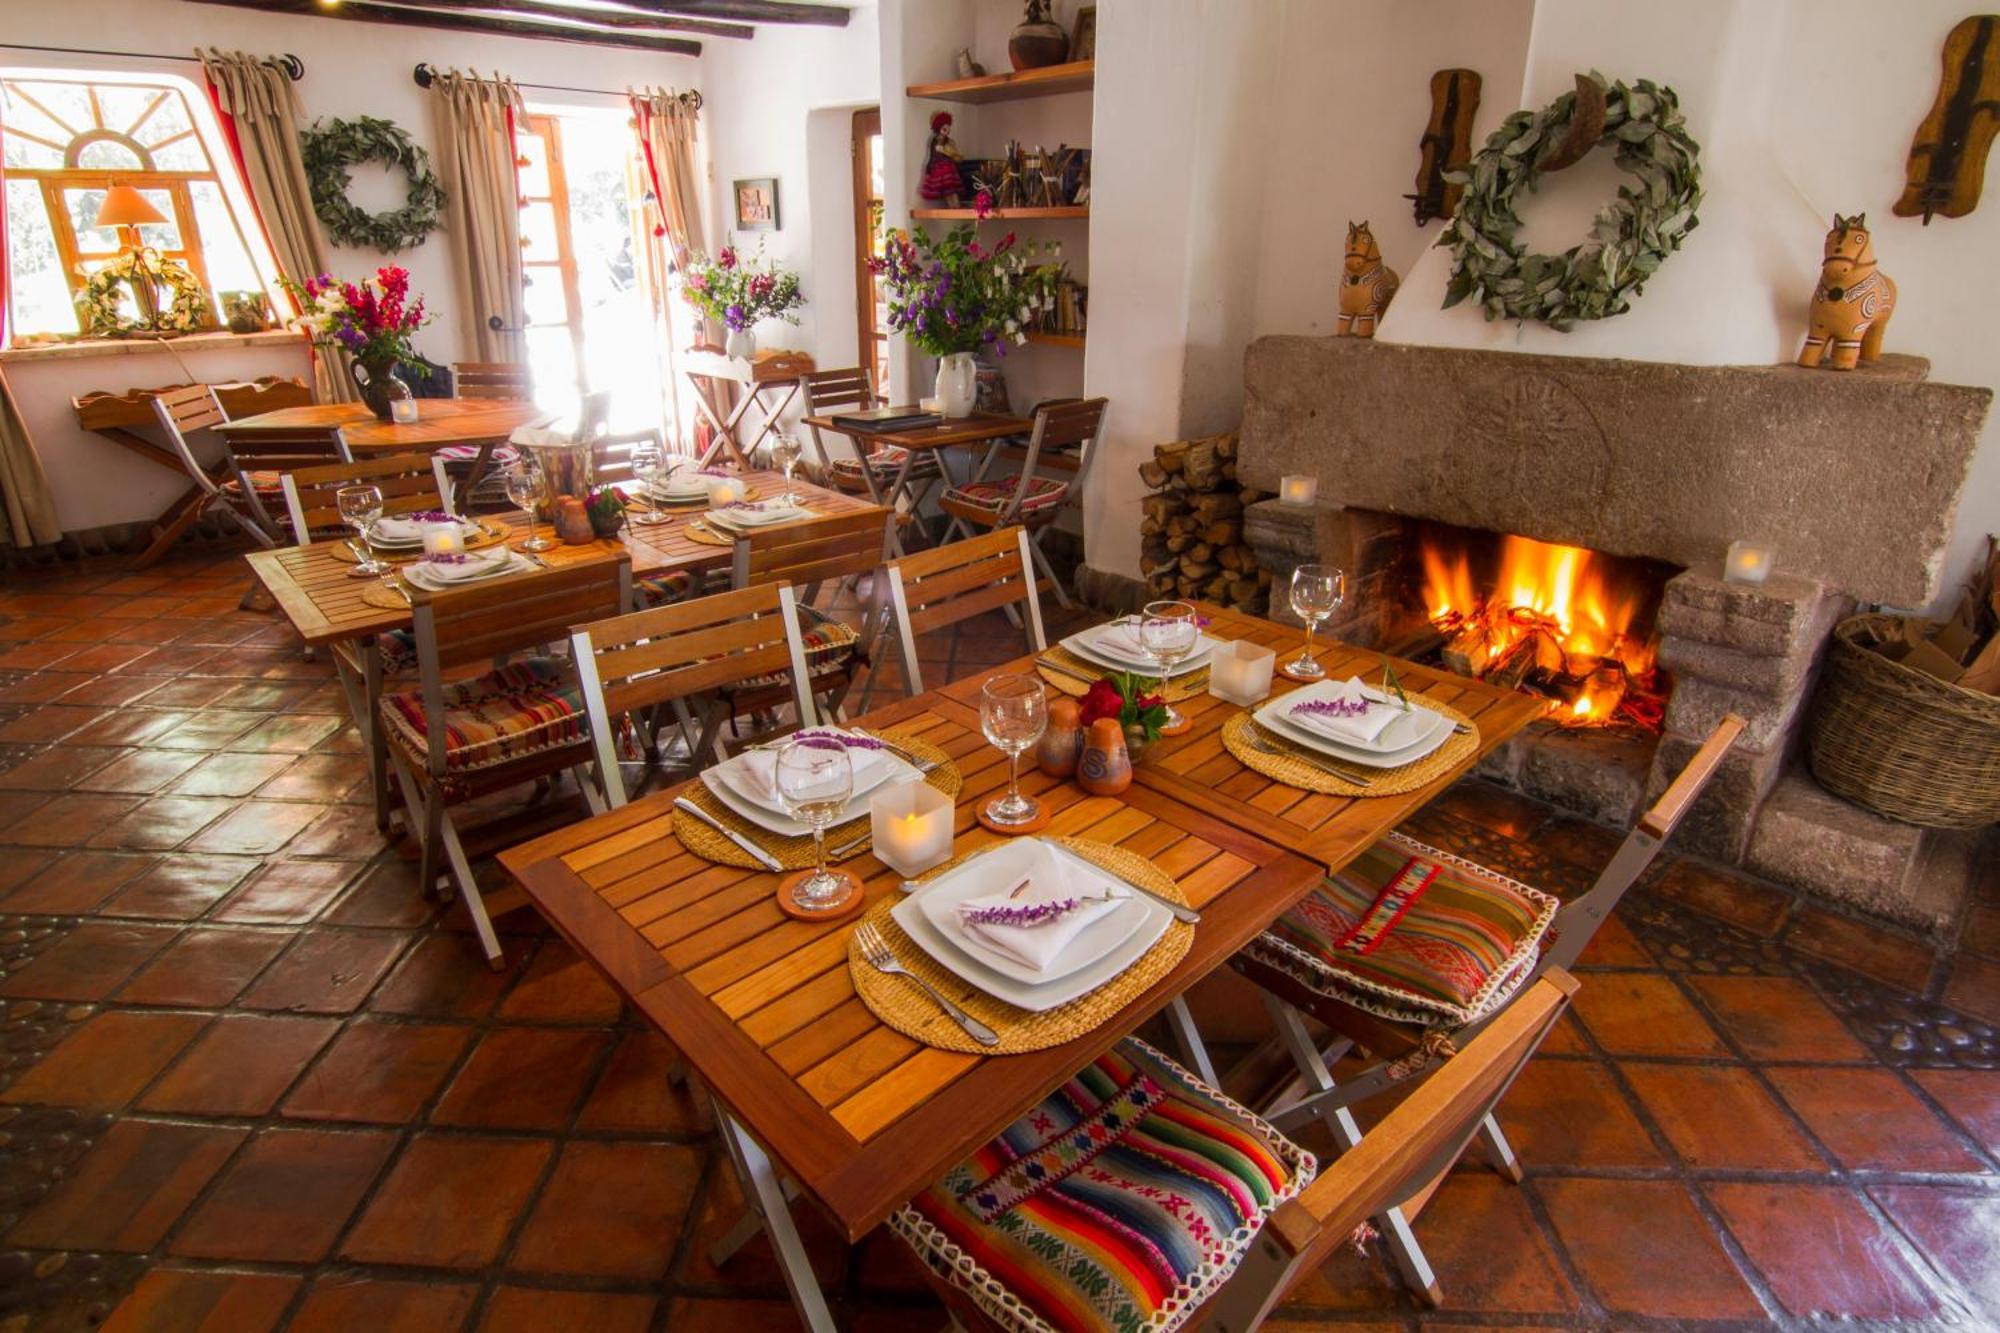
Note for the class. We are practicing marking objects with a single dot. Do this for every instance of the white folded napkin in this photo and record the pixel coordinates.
(541, 435)
(474, 564)
(408, 527)
(1360, 728)
(755, 772)
(756, 513)
(1121, 639)
(1039, 939)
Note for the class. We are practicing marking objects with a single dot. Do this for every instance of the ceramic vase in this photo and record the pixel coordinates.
(1062, 741)
(741, 345)
(1038, 41)
(957, 384)
(1105, 768)
(572, 521)
(380, 385)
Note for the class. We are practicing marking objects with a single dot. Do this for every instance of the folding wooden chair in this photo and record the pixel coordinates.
(890, 474)
(940, 587)
(682, 656)
(1023, 496)
(1179, 1208)
(832, 547)
(492, 379)
(247, 484)
(451, 743)
(1332, 958)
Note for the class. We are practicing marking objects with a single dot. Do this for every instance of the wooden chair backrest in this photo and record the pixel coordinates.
(1397, 1162)
(611, 455)
(637, 661)
(1061, 425)
(930, 590)
(287, 449)
(831, 546)
(180, 411)
(492, 379)
(823, 391)
(507, 615)
(410, 483)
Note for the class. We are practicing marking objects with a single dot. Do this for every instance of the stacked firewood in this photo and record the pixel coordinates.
(1191, 539)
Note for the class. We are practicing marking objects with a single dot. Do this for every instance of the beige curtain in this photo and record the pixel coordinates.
(666, 125)
(31, 510)
(264, 110)
(475, 152)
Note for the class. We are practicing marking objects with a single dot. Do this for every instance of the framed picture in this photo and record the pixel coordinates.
(757, 203)
(1083, 39)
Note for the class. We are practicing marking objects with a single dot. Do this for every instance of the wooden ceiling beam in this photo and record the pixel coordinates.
(752, 11)
(557, 14)
(408, 14)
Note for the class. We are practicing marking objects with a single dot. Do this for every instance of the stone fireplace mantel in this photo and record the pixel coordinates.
(1854, 478)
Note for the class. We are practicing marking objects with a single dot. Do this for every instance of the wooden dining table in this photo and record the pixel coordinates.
(440, 422)
(981, 429)
(811, 1087)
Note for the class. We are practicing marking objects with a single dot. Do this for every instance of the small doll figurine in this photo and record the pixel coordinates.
(942, 183)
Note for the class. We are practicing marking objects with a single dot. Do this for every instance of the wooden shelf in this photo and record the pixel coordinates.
(1056, 339)
(1003, 215)
(1075, 77)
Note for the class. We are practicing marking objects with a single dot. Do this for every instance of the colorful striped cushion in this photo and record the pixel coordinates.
(830, 646)
(664, 589)
(884, 463)
(523, 707)
(1412, 934)
(1120, 1203)
(397, 649)
(994, 495)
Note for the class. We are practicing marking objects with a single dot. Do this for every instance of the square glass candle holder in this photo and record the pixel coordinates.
(1295, 489)
(1240, 672)
(1746, 563)
(726, 490)
(442, 539)
(911, 824)
(403, 411)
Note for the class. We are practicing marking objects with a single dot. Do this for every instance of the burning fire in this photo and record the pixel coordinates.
(1559, 620)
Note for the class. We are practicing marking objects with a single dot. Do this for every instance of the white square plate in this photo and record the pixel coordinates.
(740, 519)
(1080, 644)
(1099, 953)
(426, 576)
(1429, 735)
(467, 529)
(721, 783)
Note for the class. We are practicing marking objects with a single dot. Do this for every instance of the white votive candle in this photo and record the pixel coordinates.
(442, 539)
(726, 490)
(403, 411)
(911, 825)
(1240, 672)
(1295, 489)
(1746, 563)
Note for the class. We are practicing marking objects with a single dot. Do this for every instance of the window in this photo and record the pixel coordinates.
(70, 137)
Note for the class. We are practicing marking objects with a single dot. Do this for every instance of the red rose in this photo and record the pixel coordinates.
(1101, 700)
(1146, 701)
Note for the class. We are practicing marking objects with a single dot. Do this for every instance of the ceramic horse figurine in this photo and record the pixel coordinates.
(1366, 287)
(1853, 301)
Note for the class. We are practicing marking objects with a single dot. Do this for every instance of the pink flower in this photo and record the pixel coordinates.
(982, 203)
(727, 259)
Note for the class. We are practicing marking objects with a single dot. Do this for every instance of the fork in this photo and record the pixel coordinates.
(876, 950)
(389, 582)
(1263, 744)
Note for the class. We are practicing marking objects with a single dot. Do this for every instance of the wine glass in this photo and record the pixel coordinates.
(1317, 591)
(1168, 631)
(360, 506)
(785, 451)
(1013, 712)
(526, 485)
(815, 780)
(649, 465)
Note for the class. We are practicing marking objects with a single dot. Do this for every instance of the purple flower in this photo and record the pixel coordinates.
(820, 743)
(733, 317)
(846, 742)
(1004, 915)
(446, 559)
(1332, 708)
(430, 516)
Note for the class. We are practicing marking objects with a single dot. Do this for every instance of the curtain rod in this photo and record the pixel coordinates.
(425, 73)
(293, 66)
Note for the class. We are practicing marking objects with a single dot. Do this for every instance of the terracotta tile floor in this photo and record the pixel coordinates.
(250, 1079)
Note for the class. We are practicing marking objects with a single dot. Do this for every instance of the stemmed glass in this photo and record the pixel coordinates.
(785, 452)
(1013, 712)
(1168, 631)
(649, 465)
(815, 782)
(1317, 591)
(526, 486)
(361, 506)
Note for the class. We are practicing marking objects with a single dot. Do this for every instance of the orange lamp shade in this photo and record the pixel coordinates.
(125, 207)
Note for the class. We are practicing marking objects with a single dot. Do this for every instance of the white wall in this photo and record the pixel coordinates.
(766, 106)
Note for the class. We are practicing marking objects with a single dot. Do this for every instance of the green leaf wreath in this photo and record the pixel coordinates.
(1630, 237)
(188, 311)
(330, 147)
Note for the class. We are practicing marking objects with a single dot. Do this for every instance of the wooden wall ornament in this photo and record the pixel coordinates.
(1447, 143)
(1948, 159)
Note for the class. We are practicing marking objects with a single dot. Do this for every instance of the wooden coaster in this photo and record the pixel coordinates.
(1035, 825)
(1181, 728)
(841, 910)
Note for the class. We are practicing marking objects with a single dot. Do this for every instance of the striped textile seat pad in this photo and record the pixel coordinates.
(526, 706)
(884, 463)
(1413, 934)
(664, 589)
(993, 496)
(1121, 1202)
(397, 649)
(268, 485)
(830, 647)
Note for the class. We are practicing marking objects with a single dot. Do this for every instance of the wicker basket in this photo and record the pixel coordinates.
(1903, 743)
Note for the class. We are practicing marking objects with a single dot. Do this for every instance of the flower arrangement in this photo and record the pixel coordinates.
(373, 320)
(952, 294)
(1123, 695)
(605, 506)
(736, 294)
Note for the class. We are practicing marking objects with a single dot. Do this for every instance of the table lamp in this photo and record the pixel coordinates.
(125, 209)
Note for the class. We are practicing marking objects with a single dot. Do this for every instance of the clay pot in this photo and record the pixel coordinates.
(1036, 44)
(1062, 742)
(1105, 769)
(572, 521)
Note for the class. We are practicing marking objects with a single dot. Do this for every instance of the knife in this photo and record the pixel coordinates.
(1064, 670)
(1181, 911)
(764, 858)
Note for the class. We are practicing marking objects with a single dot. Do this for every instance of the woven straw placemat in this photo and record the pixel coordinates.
(488, 536)
(382, 595)
(1459, 746)
(1178, 689)
(903, 1005)
(706, 535)
(796, 853)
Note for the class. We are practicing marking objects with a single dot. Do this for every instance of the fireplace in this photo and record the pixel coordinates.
(1559, 523)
